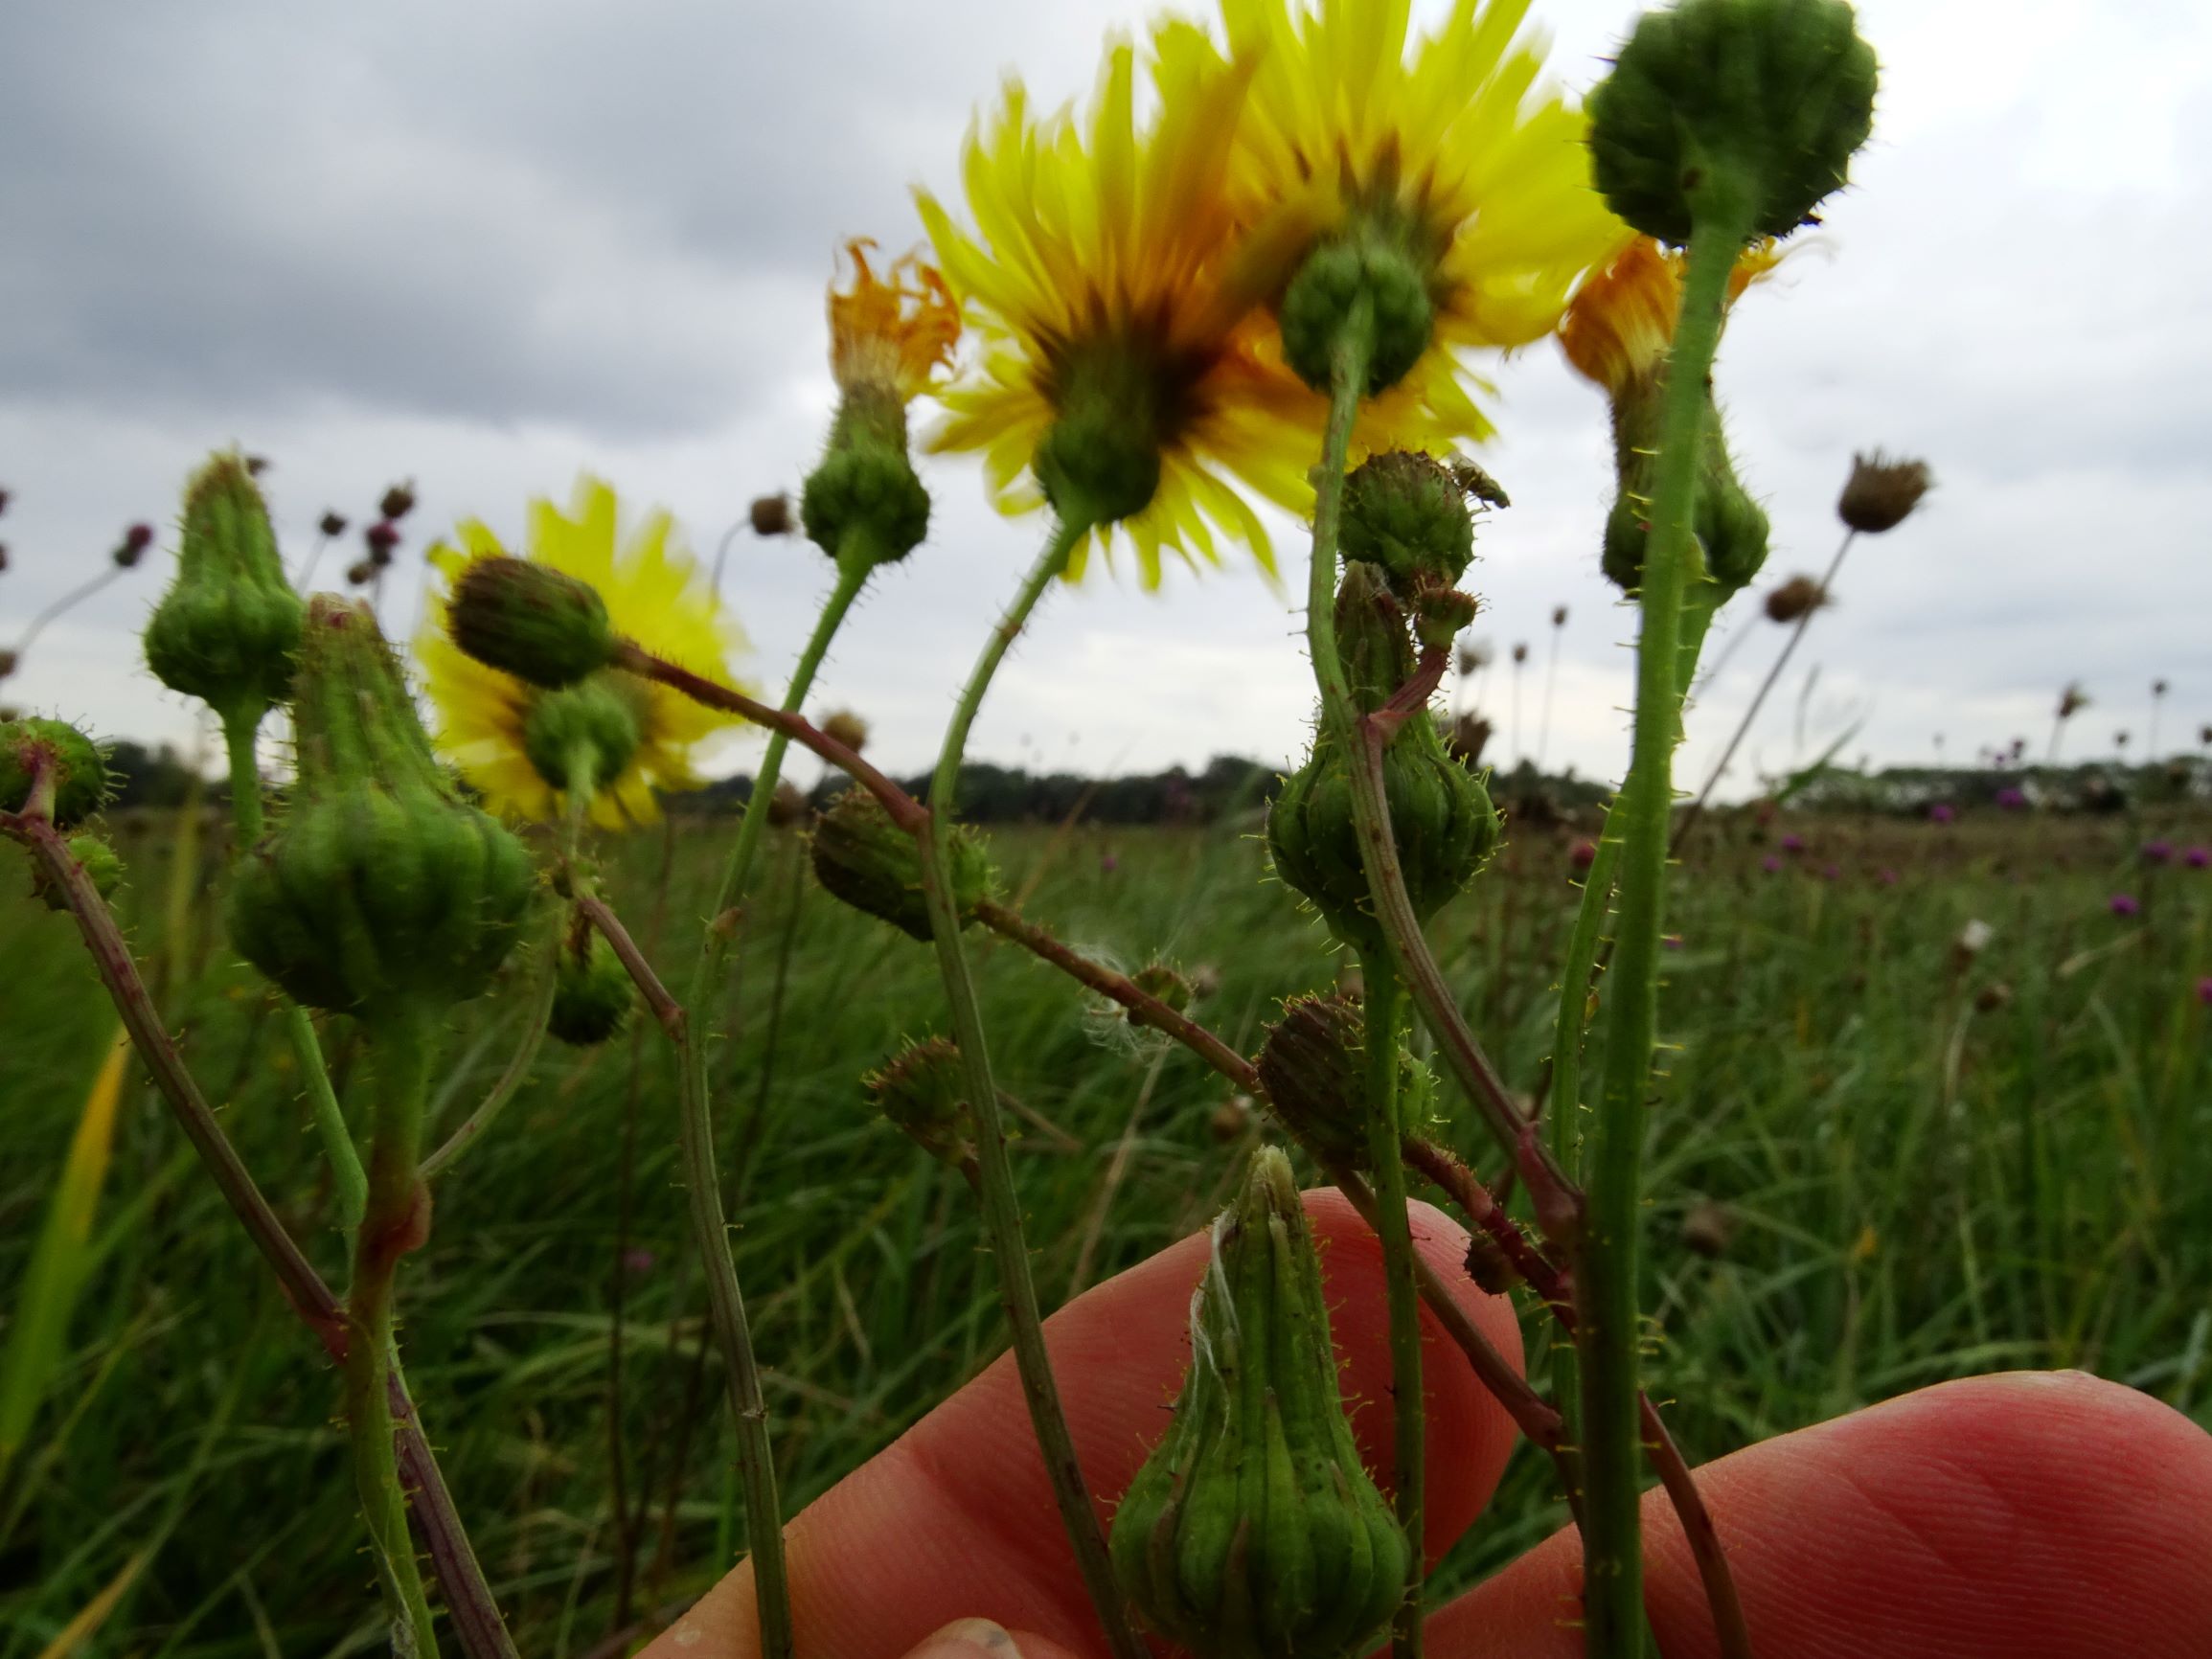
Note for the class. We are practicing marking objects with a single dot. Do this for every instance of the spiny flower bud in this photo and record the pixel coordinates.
(133, 545)
(98, 861)
(865, 858)
(398, 502)
(229, 626)
(70, 764)
(921, 1094)
(1405, 512)
(1880, 494)
(864, 496)
(360, 572)
(581, 737)
(530, 620)
(1315, 1078)
(1163, 982)
(381, 893)
(1746, 110)
(1101, 459)
(1440, 815)
(1440, 614)
(1253, 1530)
(1731, 527)
(847, 728)
(1371, 639)
(592, 994)
(788, 806)
(333, 523)
(1368, 265)
(1799, 596)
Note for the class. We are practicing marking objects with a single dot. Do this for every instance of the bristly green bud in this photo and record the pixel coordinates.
(1371, 638)
(584, 734)
(544, 627)
(1440, 615)
(381, 893)
(592, 994)
(1253, 1530)
(1405, 512)
(100, 862)
(1159, 981)
(921, 1094)
(72, 766)
(1746, 112)
(1731, 527)
(863, 499)
(1100, 463)
(865, 858)
(1372, 267)
(1314, 1070)
(228, 628)
(1439, 814)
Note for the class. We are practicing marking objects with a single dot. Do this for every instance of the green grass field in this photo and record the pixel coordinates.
(1927, 1165)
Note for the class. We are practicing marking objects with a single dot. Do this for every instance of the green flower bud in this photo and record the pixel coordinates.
(921, 1094)
(1253, 1530)
(1745, 110)
(72, 764)
(382, 892)
(228, 628)
(1369, 265)
(1371, 639)
(1439, 814)
(592, 994)
(583, 733)
(1440, 615)
(1406, 512)
(530, 620)
(1731, 527)
(863, 500)
(867, 860)
(98, 861)
(1160, 981)
(1101, 461)
(1314, 1066)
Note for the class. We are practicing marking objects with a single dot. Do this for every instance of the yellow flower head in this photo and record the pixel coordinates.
(891, 331)
(1453, 150)
(653, 595)
(1101, 280)
(1621, 322)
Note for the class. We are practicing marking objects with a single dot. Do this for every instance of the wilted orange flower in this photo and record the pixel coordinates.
(891, 331)
(1621, 321)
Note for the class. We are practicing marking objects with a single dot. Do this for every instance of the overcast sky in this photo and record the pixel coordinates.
(485, 247)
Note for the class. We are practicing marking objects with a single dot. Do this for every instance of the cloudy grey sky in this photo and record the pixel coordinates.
(488, 246)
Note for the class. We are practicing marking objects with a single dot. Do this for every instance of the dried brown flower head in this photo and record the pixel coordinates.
(1795, 597)
(1880, 494)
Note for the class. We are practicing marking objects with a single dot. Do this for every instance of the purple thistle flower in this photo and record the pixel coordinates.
(2158, 852)
(1108, 863)
(2197, 857)
(2011, 799)
(1942, 812)
(1792, 843)
(1770, 864)
(1672, 940)
(639, 1259)
(1828, 873)
(1888, 878)
(2204, 991)
(2126, 904)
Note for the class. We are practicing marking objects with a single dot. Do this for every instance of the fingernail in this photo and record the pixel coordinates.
(967, 1639)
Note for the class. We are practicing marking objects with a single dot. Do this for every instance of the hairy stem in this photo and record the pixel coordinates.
(393, 1225)
(1610, 1425)
(510, 1080)
(993, 1176)
(1385, 1025)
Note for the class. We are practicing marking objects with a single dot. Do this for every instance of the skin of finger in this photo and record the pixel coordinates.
(2046, 1513)
(957, 1517)
(981, 1638)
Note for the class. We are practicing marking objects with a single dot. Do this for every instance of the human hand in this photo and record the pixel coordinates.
(2032, 1513)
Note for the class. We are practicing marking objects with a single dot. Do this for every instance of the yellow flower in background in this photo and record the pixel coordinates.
(1620, 324)
(891, 333)
(1099, 278)
(1453, 149)
(654, 595)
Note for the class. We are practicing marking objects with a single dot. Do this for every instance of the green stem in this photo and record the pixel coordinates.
(390, 1228)
(350, 1183)
(510, 1081)
(1385, 1030)
(994, 1177)
(1576, 979)
(1606, 1268)
(710, 1229)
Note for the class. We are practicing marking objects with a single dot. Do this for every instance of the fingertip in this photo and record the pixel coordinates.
(984, 1639)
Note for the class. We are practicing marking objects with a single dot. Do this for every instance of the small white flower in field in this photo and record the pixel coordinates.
(1975, 937)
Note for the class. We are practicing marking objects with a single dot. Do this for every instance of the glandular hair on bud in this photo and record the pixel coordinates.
(923, 1095)
(544, 627)
(1880, 494)
(863, 500)
(73, 765)
(1368, 267)
(1748, 109)
(1314, 1066)
(592, 991)
(228, 628)
(381, 893)
(865, 858)
(102, 865)
(1405, 512)
(1254, 1531)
